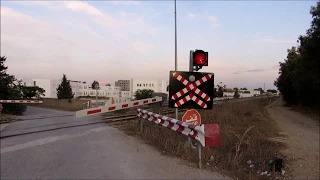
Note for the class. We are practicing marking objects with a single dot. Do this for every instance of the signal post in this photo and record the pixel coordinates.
(192, 89)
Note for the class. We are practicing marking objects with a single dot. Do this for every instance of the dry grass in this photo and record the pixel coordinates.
(7, 118)
(246, 133)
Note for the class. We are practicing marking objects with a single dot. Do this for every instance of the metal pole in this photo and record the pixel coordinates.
(141, 125)
(199, 154)
(175, 44)
(190, 70)
(96, 97)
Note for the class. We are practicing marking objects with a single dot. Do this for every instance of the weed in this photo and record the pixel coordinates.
(246, 134)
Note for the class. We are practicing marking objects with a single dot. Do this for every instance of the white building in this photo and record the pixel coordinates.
(155, 85)
(79, 89)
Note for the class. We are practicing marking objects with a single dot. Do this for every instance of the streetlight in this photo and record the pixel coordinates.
(175, 43)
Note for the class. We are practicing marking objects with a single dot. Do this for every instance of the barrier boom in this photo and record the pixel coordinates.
(20, 101)
(207, 134)
(115, 107)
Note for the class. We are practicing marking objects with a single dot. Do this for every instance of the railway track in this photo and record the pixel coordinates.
(78, 123)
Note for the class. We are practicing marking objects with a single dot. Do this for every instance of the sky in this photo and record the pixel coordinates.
(111, 40)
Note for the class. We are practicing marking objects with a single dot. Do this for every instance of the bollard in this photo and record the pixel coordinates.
(199, 154)
(141, 125)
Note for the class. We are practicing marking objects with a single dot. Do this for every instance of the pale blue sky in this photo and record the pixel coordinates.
(110, 40)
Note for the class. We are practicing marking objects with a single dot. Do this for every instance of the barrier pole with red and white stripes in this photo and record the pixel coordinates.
(115, 107)
(21, 101)
(207, 135)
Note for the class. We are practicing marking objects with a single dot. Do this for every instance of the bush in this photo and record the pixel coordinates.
(14, 108)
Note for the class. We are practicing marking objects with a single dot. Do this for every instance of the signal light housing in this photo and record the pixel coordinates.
(200, 58)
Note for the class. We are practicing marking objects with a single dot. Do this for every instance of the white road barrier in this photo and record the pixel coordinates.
(21, 101)
(115, 107)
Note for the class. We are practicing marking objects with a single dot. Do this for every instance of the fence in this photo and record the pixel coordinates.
(63, 104)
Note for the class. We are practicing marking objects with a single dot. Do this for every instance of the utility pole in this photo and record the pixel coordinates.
(96, 87)
(264, 87)
(175, 43)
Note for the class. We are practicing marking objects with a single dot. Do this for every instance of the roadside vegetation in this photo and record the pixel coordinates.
(246, 132)
(10, 88)
(64, 91)
(299, 79)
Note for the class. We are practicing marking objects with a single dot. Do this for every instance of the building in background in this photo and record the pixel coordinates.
(122, 92)
(123, 84)
(159, 86)
(80, 89)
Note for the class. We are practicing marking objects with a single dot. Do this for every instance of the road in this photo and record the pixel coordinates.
(86, 152)
(302, 138)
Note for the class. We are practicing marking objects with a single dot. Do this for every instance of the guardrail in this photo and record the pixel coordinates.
(207, 135)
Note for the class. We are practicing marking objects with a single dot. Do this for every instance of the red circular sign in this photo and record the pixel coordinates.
(192, 117)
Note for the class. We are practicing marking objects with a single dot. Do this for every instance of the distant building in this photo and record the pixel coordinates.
(123, 84)
(133, 85)
(79, 89)
(121, 92)
(159, 86)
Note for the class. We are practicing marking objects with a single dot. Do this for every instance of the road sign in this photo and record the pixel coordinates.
(191, 90)
(192, 116)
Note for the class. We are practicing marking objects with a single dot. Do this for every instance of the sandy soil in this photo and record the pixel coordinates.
(302, 137)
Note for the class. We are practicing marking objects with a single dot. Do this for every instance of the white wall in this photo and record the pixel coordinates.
(46, 84)
(155, 85)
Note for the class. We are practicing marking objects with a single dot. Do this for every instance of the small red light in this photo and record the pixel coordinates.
(200, 59)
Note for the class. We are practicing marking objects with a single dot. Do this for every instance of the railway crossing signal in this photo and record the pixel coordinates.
(198, 59)
(191, 90)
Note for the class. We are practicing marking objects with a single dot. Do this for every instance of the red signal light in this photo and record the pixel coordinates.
(200, 58)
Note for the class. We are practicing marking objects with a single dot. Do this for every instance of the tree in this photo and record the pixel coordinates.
(10, 88)
(243, 88)
(32, 91)
(285, 82)
(272, 91)
(299, 75)
(236, 93)
(215, 93)
(143, 94)
(64, 91)
(220, 90)
(108, 84)
(94, 83)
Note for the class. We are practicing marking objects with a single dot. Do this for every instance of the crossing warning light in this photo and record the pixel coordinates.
(200, 58)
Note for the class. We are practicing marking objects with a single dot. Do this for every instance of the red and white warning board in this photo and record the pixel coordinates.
(115, 107)
(192, 116)
(20, 101)
(191, 90)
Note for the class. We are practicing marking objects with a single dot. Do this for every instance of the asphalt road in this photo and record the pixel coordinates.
(85, 152)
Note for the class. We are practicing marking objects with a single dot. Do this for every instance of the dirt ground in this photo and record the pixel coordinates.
(302, 137)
